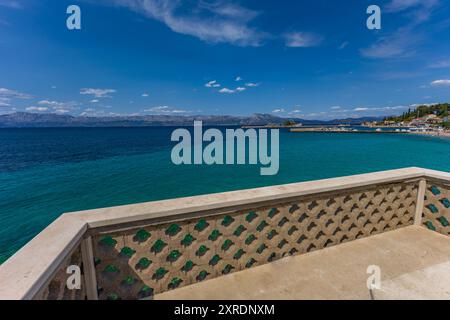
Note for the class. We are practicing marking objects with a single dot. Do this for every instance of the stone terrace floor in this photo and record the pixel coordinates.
(414, 262)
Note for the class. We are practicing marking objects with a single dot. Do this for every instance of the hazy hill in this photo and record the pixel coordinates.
(24, 119)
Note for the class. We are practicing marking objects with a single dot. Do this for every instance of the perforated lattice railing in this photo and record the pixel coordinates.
(143, 261)
(436, 211)
(57, 289)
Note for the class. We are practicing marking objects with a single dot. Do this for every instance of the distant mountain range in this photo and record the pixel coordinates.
(36, 120)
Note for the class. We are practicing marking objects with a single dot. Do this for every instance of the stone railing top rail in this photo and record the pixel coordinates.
(22, 276)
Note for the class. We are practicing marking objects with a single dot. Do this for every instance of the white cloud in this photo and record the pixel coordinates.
(98, 93)
(212, 84)
(56, 104)
(62, 111)
(37, 109)
(159, 108)
(280, 110)
(296, 112)
(164, 110)
(94, 101)
(145, 95)
(335, 108)
(361, 109)
(59, 107)
(241, 88)
(212, 21)
(392, 108)
(12, 94)
(424, 104)
(302, 39)
(441, 83)
(226, 90)
(4, 102)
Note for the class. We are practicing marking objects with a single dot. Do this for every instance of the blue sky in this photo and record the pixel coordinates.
(309, 59)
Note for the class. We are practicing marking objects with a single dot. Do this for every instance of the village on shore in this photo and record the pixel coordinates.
(427, 119)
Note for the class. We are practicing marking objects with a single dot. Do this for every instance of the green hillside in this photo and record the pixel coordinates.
(441, 110)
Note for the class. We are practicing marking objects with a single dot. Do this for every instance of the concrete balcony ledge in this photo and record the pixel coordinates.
(301, 217)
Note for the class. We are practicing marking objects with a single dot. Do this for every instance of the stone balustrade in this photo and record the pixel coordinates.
(138, 251)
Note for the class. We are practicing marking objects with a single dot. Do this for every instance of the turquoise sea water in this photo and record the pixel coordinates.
(46, 172)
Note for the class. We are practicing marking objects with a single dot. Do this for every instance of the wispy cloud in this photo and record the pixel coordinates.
(403, 5)
(440, 64)
(418, 10)
(282, 112)
(59, 107)
(361, 109)
(231, 91)
(57, 104)
(424, 104)
(302, 39)
(14, 4)
(98, 93)
(441, 83)
(226, 90)
(343, 45)
(296, 113)
(4, 102)
(212, 21)
(92, 112)
(13, 94)
(164, 110)
(404, 41)
(7, 95)
(212, 84)
(401, 43)
(37, 109)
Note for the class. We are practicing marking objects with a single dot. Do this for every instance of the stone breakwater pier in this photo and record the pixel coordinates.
(341, 130)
